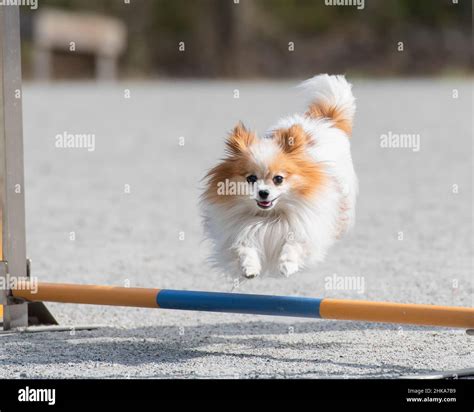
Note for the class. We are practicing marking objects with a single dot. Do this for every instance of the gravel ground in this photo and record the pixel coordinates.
(134, 238)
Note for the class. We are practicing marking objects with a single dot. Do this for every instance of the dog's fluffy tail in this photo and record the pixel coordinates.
(330, 97)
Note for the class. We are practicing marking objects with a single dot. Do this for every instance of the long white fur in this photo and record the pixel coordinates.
(249, 243)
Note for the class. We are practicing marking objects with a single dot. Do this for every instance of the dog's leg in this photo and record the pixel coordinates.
(290, 259)
(249, 261)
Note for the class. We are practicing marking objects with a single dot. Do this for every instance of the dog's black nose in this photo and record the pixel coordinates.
(263, 194)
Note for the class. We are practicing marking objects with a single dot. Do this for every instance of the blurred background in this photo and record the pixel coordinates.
(245, 38)
(126, 212)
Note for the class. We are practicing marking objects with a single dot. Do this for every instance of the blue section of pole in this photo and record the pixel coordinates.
(239, 303)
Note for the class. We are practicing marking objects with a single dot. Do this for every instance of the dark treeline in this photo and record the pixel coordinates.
(255, 38)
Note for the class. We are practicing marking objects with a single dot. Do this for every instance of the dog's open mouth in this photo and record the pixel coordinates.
(265, 204)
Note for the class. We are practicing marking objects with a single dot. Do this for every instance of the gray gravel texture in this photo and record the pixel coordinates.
(135, 238)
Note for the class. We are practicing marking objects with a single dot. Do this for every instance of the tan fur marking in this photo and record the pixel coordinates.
(292, 140)
(336, 114)
(300, 171)
(304, 175)
(239, 140)
(233, 167)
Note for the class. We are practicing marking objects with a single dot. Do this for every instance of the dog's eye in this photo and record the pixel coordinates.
(278, 180)
(252, 179)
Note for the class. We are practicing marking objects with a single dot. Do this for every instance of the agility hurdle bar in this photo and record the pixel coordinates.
(416, 314)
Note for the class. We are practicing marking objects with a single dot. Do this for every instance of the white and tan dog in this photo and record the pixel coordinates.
(276, 203)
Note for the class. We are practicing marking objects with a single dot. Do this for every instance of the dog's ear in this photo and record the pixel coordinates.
(293, 139)
(239, 139)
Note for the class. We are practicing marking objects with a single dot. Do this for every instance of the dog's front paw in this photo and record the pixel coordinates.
(288, 267)
(251, 268)
(250, 272)
(290, 259)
